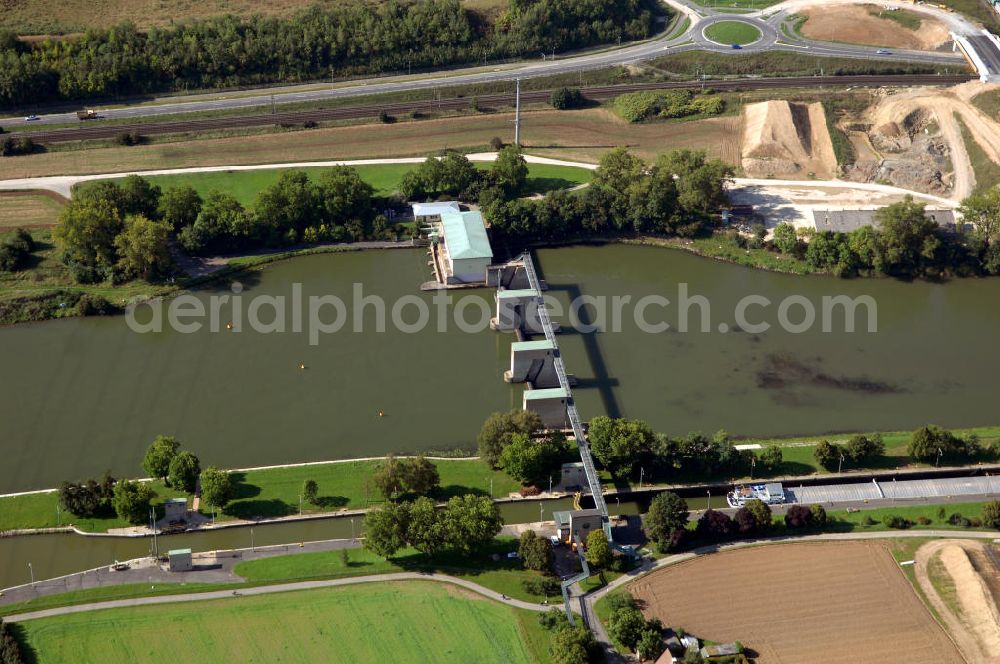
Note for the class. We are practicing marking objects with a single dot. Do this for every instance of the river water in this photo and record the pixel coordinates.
(79, 396)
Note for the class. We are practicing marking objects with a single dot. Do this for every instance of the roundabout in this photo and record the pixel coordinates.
(733, 33)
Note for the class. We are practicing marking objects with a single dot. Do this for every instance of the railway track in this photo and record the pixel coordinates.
(93, 129)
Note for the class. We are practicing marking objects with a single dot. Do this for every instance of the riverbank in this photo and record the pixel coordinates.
(270, 494)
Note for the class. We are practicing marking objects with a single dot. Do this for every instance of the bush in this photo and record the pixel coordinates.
(895, 521)
(923, 521)
(10, 651)
(957, 519)
(715, 526)
(819, 517)
(310, 124)
(94, 305)
(639, 106)
(991, 514)
(129, 138)
(496, 144)
(798, 516)
(566, 98)
(868, 521)
(546, 586)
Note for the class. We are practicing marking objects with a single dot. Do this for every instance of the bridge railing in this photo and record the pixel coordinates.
(573, 416)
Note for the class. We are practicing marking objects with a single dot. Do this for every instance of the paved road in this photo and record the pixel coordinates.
(590, 599)
(279, 588)
(768, 21)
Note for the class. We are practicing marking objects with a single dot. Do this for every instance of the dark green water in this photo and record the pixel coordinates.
(81, 396)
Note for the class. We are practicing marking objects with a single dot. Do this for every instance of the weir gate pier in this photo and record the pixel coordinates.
(521, 309)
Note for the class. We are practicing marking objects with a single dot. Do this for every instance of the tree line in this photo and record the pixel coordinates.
(465, 524)
(350, 39)
(905, 242)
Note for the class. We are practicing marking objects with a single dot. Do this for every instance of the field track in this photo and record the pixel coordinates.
(96, 130)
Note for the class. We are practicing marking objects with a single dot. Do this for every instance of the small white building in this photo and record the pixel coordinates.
(433, 211)
(466, 249)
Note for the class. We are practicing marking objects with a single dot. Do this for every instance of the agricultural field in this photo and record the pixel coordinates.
(806, 602)
(399, 622)
(582, 135)
(26, 209)
(35, 17)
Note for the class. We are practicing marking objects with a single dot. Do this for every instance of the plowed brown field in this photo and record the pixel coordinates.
(809, 602)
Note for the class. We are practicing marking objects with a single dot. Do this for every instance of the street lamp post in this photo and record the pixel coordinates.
(753, 464)
(31, 570)
(642, 471)
(352, 530)
(840, 464)
(541, 512)
(252, 546)
(938, 461)
(709, 492)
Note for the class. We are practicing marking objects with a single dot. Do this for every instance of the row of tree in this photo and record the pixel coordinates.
(624, 446)
(454, 175)
(906, 242)
(465, 524)
(679, 194)
(345, 39)
(513, 442)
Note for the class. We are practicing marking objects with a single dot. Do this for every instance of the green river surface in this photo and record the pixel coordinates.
(79, 396)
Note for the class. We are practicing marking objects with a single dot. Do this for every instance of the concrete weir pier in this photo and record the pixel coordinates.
(537, 363)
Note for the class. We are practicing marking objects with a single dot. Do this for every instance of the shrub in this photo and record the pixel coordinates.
(565, 98)
(923, 521)
(819, 517)
(94, 305)
(798, 516)
(545, 586)
(310, 124)
(868, 521)
(991, 514)
(957, 519)
(715, 526)
(639, 106)
(496, 143)
(895, 521)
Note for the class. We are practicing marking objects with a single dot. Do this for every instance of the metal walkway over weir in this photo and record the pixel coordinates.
(572, 415)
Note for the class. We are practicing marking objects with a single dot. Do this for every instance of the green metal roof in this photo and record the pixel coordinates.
(541, 344)
(517, 292)
(179, 552)
(465, 235)
(548, 393)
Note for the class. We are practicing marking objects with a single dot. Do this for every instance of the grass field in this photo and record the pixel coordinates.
(28, 209)
(503, 575)
(385, 178)
(68, 16)
(398, 622)
(273, 493)
(732, 32)
(907, 19)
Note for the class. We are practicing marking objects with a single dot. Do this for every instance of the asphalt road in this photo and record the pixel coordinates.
(693, 39)
(103, 130)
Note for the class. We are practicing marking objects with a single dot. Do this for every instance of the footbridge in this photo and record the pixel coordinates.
(521, 308)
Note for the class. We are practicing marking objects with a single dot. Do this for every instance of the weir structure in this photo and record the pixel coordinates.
(521, 309)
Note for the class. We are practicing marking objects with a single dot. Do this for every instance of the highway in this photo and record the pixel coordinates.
(97, 130)
(770, 22)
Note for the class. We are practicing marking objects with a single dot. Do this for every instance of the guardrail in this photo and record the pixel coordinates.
(574, 417)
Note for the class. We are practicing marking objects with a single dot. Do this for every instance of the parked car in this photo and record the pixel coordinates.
(736, 47)
(31, 118)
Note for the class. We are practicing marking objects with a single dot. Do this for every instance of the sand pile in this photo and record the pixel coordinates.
(978, 609)
(787, 139)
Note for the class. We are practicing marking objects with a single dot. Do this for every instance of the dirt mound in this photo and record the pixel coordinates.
(868, 25)
(783, 138)
(971, 615)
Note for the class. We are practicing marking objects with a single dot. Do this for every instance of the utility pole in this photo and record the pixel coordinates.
(152, 526)
(517, 115)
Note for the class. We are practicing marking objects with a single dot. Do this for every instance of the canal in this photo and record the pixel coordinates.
(79, 396)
